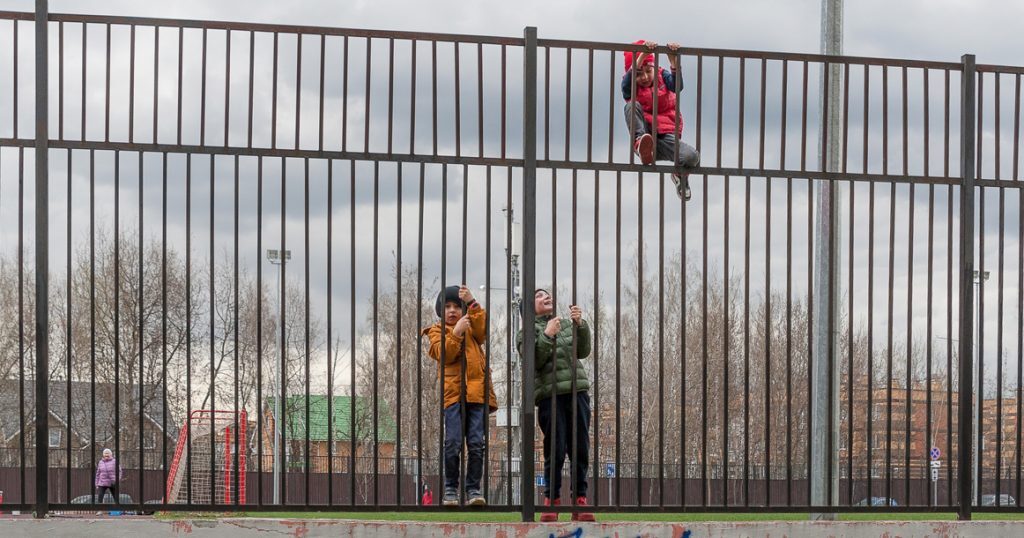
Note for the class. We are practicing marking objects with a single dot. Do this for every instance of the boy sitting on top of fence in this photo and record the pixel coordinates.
(640, 115)
(464, 328)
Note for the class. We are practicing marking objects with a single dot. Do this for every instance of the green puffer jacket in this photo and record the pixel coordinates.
(553, 371)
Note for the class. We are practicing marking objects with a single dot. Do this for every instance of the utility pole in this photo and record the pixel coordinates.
(510, 419)
(512, 250)
(278, 258)
(825, 379)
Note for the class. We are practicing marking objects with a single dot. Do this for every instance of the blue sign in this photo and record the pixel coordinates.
(609, 470)
(936, 453)
(540, 481)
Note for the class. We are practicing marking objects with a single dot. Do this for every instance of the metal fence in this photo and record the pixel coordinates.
(245, 215)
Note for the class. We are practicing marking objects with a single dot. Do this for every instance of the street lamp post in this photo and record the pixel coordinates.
(278, 258)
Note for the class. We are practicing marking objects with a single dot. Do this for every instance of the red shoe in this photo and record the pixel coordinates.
(550, 517)
(644, 148)
(582, 516)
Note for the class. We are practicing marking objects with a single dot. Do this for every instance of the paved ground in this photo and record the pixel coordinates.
(59, 527)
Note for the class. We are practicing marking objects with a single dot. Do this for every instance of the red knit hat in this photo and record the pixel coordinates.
(628, 57)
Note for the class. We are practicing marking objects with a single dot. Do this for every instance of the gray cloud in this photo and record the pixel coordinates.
(920, 30)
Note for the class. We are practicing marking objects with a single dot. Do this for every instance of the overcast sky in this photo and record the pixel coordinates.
(921, 29)
(931, 30)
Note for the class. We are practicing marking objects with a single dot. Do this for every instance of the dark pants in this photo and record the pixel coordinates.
(561, 441)
(476, 414)
(102, 490)
(687, 157)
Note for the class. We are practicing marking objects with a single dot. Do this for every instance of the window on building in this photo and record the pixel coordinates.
(55, 438)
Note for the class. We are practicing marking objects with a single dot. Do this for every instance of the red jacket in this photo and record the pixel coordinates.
(666, 106)
(666, 97)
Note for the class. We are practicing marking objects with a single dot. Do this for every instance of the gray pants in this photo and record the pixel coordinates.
(688, 157)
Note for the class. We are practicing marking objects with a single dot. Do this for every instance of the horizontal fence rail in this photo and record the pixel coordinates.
(251, 224)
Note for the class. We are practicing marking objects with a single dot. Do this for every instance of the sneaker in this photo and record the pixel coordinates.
(451, 497)
(550, 517)
(682, 184)
(644, 148)
(476, 498)
(582, 516)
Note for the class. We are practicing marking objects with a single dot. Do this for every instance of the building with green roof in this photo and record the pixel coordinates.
(340, 435)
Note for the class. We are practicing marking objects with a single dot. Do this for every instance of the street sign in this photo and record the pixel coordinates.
(935, 474)
(935, 453)
(609, 470)
(936, 464)
(540, 481)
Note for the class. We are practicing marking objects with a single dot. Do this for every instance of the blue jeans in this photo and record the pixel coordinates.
(687, 158)
(476, 414)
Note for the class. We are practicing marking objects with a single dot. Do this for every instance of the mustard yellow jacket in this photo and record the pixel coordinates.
(478, 377)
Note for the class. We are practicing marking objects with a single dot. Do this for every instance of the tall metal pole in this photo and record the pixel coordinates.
(42, 150)
(825, 383)
(278, 258)
(979, 278)
(967, 110)
(529, 262)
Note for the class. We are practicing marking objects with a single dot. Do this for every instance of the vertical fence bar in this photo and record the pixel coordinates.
(305, 246)
(213, 334)
(529, 262)
(618, 335)
(141, 328)
(283, 347)
(259, 323)
(932, 499)
(725, 295)
(949, 291)
(487, 295)
(640, 333)
(376, 310)
(188, 329)
(966, 307)
(42, 269)
(69, 327)
(117, 311)
(979, 472)
(330, 300)
(352, 329)
(704, 347)
(999, 325)
(1020, 282)
(510, 333)
(596, 460)
(419, 323)
(106, 88)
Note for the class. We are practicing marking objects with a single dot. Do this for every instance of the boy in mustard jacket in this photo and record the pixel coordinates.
(463, 328)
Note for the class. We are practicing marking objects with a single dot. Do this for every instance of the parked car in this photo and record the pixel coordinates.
(126, 499)
(877, 501)
(126, 502)
(147, 511)
(1005, 499)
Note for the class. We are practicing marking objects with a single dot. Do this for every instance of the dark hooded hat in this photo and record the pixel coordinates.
(450, 293)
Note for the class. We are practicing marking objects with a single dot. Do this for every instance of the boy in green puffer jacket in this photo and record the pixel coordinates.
(557, 373)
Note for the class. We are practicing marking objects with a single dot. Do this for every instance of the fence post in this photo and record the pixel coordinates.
(42, 257)
(529, 263)
(966, 394)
